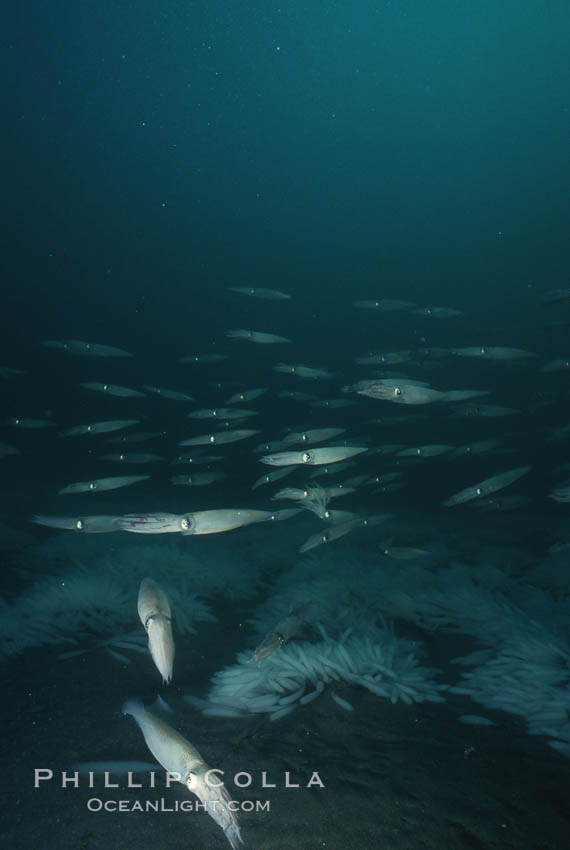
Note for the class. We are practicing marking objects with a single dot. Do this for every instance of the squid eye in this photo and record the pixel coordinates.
(186, 523)
(306, 457)
(483, 351)
(479, 491)
(80, 525)
(327, 515)
(92, 485)
(397, 391)
(212, 439)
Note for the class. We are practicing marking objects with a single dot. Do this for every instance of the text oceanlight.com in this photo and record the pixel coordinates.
(96, 804)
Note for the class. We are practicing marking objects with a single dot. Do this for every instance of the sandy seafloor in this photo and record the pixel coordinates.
(396, 776)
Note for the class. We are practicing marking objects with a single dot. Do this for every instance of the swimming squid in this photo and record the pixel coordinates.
(98, 427)
(111, 389)
(154, 612)
(200, 522)
(98, 485)
(185, 764)
(486, 487)
(86, 524)
(315, 457)
(285, 629)
(220, 437)
(86, 349)
(402, 392)
(256, 336)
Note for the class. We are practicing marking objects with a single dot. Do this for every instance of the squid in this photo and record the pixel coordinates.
(87, 524)
(200, 522)
(155, 615)
(86, 349)
(98, 427)
(220, 437)
(99, 485)
(285, 629)
(315, 457)
(256, 336)
(488, 486)
(185, 764)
